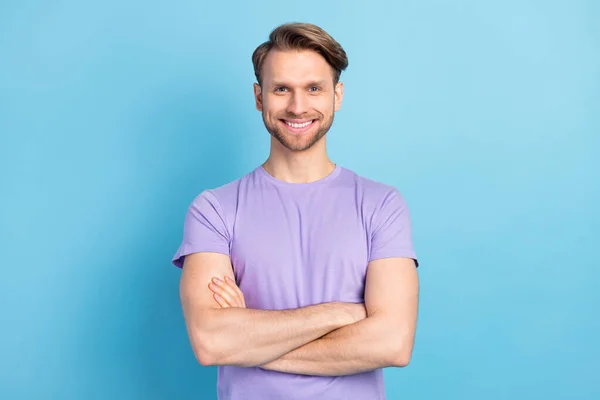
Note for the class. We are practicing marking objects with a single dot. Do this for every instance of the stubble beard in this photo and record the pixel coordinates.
(298, 143)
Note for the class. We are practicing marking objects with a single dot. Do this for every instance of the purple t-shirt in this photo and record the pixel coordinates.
(294, 245)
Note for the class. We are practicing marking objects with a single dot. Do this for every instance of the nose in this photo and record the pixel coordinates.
(298, 104)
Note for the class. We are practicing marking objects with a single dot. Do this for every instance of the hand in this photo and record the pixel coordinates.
(226, 293)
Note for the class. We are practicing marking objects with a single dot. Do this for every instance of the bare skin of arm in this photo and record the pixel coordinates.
(384, 339)
(248, 337)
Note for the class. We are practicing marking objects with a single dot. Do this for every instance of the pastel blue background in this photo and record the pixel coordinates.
(114, 115)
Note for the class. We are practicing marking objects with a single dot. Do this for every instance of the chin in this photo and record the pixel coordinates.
(298, 143)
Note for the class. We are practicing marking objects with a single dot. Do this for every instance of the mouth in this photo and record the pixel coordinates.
(298, 126)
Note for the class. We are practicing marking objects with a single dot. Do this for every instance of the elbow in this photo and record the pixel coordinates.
(205, 358)
(401, 355)
(401, 360)
(208, 354)
(204, 353)
(204, 346)
(213, 349)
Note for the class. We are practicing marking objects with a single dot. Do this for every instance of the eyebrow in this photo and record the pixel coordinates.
(309, 84)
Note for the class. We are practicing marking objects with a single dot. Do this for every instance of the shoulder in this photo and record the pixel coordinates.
(222, 200)
(372, 192)
(227, 193)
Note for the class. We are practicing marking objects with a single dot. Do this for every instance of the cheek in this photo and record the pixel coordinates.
(274, 106)
(325, 105)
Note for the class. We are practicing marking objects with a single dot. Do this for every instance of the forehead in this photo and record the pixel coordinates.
(296, 66)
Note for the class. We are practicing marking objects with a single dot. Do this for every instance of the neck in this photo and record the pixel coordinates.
(299, 166)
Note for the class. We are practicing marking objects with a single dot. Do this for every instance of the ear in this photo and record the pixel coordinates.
(339, 95)
(258, 97)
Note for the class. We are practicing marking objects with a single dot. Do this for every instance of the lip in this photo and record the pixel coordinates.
(298, 130)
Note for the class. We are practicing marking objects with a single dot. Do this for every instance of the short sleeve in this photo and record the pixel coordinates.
(204, 229)
(391, 234)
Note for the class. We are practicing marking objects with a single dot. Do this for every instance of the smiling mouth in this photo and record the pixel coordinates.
(299, 127)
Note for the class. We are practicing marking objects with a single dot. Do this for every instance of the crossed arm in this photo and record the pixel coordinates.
(325, 339)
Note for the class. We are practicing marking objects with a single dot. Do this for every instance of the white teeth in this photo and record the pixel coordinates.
(305, 124)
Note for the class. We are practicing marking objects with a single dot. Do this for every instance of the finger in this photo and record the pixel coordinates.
(221, 301)
(225, 288)
(223, 294)
(235, 287)
(227, 292)
(230, 292)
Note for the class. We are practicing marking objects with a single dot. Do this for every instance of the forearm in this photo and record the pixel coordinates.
(249, 337)
(359, 347)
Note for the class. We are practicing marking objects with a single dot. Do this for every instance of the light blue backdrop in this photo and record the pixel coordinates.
(114, 115)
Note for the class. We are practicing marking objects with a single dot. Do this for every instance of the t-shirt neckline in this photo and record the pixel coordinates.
(263, 172)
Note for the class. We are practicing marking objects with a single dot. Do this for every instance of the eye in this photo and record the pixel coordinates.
(314, 89)
(281, 89)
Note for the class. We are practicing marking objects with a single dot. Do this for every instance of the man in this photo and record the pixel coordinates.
(299, 279)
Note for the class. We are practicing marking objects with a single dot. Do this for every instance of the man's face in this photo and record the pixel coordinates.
(297, 98)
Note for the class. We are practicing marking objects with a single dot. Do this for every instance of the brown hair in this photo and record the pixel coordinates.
(299, 36)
